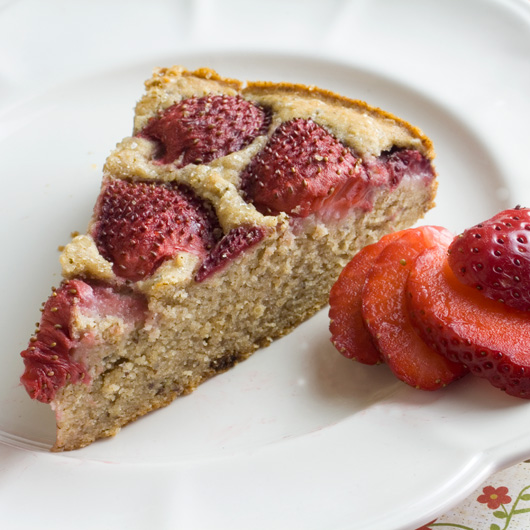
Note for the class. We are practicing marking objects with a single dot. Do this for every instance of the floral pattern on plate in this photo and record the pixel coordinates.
(501, 503)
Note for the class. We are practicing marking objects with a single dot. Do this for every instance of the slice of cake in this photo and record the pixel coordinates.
(221, 224)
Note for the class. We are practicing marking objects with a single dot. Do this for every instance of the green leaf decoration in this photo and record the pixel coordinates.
(525, 510)
(495, 527)
(500, 515)
(525, 497)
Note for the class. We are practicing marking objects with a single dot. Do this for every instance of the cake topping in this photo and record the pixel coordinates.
(201, 129)
(230, 247)
(494, 257)
(139, 225)
(49, 361)
(301, 169)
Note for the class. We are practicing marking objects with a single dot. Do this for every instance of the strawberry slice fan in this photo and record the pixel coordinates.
(222, 223)
(434, 307)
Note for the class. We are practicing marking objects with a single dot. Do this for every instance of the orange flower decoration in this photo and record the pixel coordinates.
(494, 497)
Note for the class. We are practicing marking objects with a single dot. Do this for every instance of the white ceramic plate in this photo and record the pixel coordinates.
(297, 436)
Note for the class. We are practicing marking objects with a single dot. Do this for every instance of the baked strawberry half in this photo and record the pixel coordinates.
(139, 225)
(301, 168)
(232, 245)
(201, 129)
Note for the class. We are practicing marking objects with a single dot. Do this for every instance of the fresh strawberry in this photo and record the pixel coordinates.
(301, 169)
(384, 307)
(348, 331)
(49, 359)
(494, 257)
(139, 225)
(491, 338)
(201, 129)
(228, 248)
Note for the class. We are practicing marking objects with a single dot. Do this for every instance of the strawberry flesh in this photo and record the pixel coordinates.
(385, 312)
(139, 225)
(201, 129)
(392, 166)
(494, 258)
(491, 338)
(49, 360)
(348, 330)
(232, 245)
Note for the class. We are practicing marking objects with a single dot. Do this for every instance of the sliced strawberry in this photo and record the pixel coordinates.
(230, 247)
(201, 129)
(139, 225)
(301, 168)
(49, 361)
(494, 257)
(384, 306)
(492, 339)
(348, 331)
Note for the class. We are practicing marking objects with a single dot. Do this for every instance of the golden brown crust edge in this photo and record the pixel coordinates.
(162, 76)
(334, 98)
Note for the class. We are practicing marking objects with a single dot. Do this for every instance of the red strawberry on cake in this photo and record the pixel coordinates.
(56, 353)
(300, 169)
(222, 223)
(201, 129)
(138, 225)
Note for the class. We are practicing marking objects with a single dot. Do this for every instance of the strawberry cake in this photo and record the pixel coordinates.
(221, 225)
